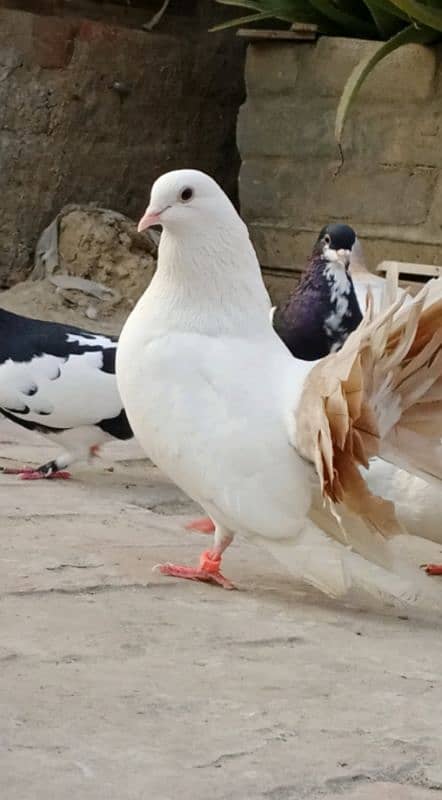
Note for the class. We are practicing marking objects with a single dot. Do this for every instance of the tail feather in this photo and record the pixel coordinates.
(376, 397)
(338, 572)
(418, 502)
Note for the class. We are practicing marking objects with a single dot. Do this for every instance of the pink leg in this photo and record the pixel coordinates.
(203, 525)
(433, 569)
(209, 566)
(31, 474)
(35, 475)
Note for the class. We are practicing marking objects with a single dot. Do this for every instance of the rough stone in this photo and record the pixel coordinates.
(91, 244)
(53, 42)
(94, 111)
(272, 69)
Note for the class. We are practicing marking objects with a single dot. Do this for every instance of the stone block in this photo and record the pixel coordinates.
(408, 73)
(297, 128)
(390, 185)
(277, 189)
(272, 67)
(308, 192)
(280, 286)
(288, 248)
(435, 214)
(389, 196)
(388, 134)
(282, 248)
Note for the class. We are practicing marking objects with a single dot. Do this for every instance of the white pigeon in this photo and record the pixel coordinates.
(418, 502)
(59, 381)
(249, 432)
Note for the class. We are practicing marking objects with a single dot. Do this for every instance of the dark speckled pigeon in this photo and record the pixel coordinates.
(60, 381)
(323, 310)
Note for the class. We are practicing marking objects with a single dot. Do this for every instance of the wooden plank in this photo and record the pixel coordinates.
(298, 33)
(407, 268)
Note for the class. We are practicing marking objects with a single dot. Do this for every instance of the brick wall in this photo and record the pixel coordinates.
(390, 186)
(67, 134)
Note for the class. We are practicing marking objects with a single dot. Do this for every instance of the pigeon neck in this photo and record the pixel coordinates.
(321, 313)
(210, 282)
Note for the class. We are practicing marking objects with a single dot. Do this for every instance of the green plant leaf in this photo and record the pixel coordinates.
(254, 5)
(232, 23)
(351, 24)
(424, 14)
(409, 35)
(388, 23)
(281, 9)
(287, 10)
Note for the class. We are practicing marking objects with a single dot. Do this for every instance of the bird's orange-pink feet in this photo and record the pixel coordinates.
(203, 525)
(30, 474)
(208, 570)
(432, 569)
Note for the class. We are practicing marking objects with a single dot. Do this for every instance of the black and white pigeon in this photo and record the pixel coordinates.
(323, 310)
(59, 380)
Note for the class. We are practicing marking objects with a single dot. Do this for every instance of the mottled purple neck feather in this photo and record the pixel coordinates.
(321, 313)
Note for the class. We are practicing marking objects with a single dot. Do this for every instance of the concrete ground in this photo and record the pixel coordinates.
(120, 684)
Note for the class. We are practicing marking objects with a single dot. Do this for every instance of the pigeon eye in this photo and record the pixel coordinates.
(186, 195)
(327, 239)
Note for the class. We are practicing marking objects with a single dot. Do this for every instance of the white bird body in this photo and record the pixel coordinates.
(187, 370)
(211, 392)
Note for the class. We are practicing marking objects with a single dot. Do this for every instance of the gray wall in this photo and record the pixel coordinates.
(67, 136)
(390, 186)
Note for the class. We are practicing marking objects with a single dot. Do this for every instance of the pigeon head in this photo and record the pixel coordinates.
(187, 198)
(335, 243)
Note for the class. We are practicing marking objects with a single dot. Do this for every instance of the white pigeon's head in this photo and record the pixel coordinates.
(187, 198)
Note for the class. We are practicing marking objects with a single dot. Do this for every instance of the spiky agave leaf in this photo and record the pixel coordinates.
(421, 12)
(285, 10)
(350, 24)
(388, 19)
(233, 23)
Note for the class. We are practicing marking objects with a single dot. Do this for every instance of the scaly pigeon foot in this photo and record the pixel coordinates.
(208, 570)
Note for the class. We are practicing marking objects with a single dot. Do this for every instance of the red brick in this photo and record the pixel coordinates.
(92, 31)
(53, 41)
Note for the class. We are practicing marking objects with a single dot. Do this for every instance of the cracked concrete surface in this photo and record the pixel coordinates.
(118, 683)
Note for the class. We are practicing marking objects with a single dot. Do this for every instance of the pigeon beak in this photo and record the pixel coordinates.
(150, 218)
(344, 255)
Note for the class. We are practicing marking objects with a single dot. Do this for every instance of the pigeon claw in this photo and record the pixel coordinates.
(31, 474)
(208, 571)
(36, 475)
(203, 525)
(432, 569)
